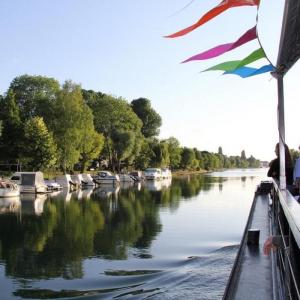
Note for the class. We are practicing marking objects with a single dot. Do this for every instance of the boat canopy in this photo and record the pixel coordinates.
(289, 48)
(288, 54)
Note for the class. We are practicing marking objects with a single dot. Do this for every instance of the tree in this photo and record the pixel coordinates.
(69, 125)
(150, 118)
(115, 119)
(40, 150)
(92, 142)
(12, 131)
(243, 155)
(35, 96)
(175, 151)
(220, 150)
(187, 158)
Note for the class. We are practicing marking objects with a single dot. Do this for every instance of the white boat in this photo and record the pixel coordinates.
(87, 180)
(153, 174)
(77, 179)
(53, 185)
(8, 189)
(105, 177)
(65, 181)
(166, 173)
(30, 182)
(137, 175)
(126, 178)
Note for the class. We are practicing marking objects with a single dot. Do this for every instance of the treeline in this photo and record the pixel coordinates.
(47, 126)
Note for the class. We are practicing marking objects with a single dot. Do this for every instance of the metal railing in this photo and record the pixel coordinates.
(285, 225)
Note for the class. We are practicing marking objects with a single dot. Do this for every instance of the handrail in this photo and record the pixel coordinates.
(286, 221)
(291, 210)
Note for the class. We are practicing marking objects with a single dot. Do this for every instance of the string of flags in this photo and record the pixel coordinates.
(237, 67)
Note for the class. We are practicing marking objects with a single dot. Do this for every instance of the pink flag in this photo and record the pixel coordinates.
(224, 5)
(218, 50)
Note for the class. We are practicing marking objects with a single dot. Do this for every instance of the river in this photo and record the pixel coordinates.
(157, 240)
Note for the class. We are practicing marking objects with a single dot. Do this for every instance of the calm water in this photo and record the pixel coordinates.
(158, 240)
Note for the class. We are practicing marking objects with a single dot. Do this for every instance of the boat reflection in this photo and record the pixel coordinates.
(157, 185)
(33, 204)
(10, 204)
(106, 191)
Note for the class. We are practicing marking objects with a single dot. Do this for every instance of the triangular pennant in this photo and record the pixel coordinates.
(221, 49)
(245, 72)
(224, 5)
(235, 64)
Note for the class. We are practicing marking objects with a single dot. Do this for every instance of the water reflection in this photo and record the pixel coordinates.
(57, 233)
(10, 204)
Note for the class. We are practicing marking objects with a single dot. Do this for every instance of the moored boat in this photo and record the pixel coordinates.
(105, 177)
(8, 189)
(30, 182)
(153, 174)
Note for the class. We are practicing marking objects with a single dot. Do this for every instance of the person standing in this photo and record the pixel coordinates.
(274, 166)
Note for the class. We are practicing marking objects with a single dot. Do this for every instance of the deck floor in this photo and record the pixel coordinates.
(254, 278)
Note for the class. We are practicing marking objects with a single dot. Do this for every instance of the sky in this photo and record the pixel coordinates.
(117, 47)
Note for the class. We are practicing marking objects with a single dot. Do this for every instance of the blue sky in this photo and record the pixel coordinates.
(116, 47)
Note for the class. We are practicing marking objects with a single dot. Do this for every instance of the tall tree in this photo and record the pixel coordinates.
(68, 126)
(12, 131)
(35, 96)
(113, 117)
(40, 150)
(92, 142)
(175, 151)
(150, 118)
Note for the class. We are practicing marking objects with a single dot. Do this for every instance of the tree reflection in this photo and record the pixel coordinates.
(54, 243)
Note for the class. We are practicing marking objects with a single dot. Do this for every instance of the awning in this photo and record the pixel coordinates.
(289, 48)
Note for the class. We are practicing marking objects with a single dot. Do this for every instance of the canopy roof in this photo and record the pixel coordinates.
(289, 48)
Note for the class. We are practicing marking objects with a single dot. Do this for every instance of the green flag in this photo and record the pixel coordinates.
(235, 64)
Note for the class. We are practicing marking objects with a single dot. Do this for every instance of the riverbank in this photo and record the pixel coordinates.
(187, 172)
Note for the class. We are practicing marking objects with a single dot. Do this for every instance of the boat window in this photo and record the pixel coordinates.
(15, 178)
(28, 179)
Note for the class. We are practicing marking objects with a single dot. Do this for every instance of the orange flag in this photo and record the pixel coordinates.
(224, 5)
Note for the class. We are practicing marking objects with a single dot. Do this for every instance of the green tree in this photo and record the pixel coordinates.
(243, 155)
(220, 150)
(92, 142)
(12, 131)
(150, 118)
(175, 151)
(35, 96)
(114, 118)
(187, 158)
(40, 150)
(69, 125)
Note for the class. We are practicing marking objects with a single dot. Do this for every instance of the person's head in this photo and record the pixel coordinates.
(288, 158)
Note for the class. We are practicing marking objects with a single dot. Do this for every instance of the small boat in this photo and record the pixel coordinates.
(137, 175)
(66, 182)
(166, 173)
(87, 180)
(30, 182)
(126, 178)
(8, 189)
(105, 177)
(153, 174)
(53, 185)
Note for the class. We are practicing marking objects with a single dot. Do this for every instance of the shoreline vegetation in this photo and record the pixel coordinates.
(49, 127)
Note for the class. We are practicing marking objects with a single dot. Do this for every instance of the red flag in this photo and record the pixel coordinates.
(224, 5)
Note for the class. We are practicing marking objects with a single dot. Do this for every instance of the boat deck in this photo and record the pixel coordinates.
(251, 277)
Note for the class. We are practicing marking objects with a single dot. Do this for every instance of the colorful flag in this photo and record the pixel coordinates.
(218, 50)
(224, 5)
(248, 72)
(235, 64)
